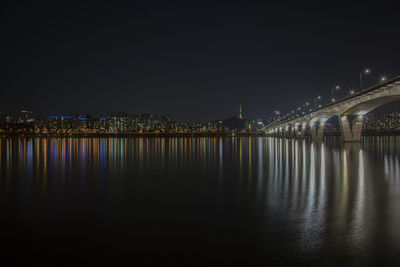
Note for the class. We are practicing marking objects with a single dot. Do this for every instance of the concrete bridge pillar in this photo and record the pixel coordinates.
(271, 133)
(299, 133)
(290, 132)
(351, 127)
(300, 130)
(317, 132)
(278, 133)
(282, 133)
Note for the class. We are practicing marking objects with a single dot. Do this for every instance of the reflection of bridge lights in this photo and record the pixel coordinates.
(307, 103)
(298, 108)
(367, 71)
(319, 97)
(337, 87)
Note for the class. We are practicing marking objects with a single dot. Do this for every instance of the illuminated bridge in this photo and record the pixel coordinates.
(350, 112)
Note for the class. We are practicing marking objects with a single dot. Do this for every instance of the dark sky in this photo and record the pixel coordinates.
(194, 60)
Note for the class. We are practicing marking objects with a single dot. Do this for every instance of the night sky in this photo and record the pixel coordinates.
(193, 60)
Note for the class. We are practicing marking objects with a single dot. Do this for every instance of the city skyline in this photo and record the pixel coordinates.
(27, 122)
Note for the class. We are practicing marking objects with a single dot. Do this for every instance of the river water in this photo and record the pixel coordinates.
(199, 201)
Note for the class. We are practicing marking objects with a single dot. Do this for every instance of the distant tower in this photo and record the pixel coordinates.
(240, 112)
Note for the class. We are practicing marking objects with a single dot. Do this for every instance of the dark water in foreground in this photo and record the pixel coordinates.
(222, 201)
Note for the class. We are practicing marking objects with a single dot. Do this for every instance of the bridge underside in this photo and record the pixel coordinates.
(368, 106)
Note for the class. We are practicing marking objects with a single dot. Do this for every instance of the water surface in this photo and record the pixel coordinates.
(197, 201)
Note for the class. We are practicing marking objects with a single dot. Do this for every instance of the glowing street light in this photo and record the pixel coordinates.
(352, 92)
(383, 78)
(333, 100)
(316, 99)
(336, 88)
(366, 71)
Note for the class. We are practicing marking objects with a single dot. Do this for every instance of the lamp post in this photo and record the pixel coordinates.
(366, 71)
(317, 98)
(337, 88)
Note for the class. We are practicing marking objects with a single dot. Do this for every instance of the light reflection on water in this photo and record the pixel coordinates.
(249, 200)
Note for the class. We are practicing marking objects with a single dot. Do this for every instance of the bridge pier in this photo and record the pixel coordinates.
(299, 133)
(281, 133)
(290, 132)
(317, 132)
(350, 128)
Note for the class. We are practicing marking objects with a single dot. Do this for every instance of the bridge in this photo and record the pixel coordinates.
(349, 110)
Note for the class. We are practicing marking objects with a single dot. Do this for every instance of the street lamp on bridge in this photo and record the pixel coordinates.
(317, 98)
(366, 71)
(336, 88)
